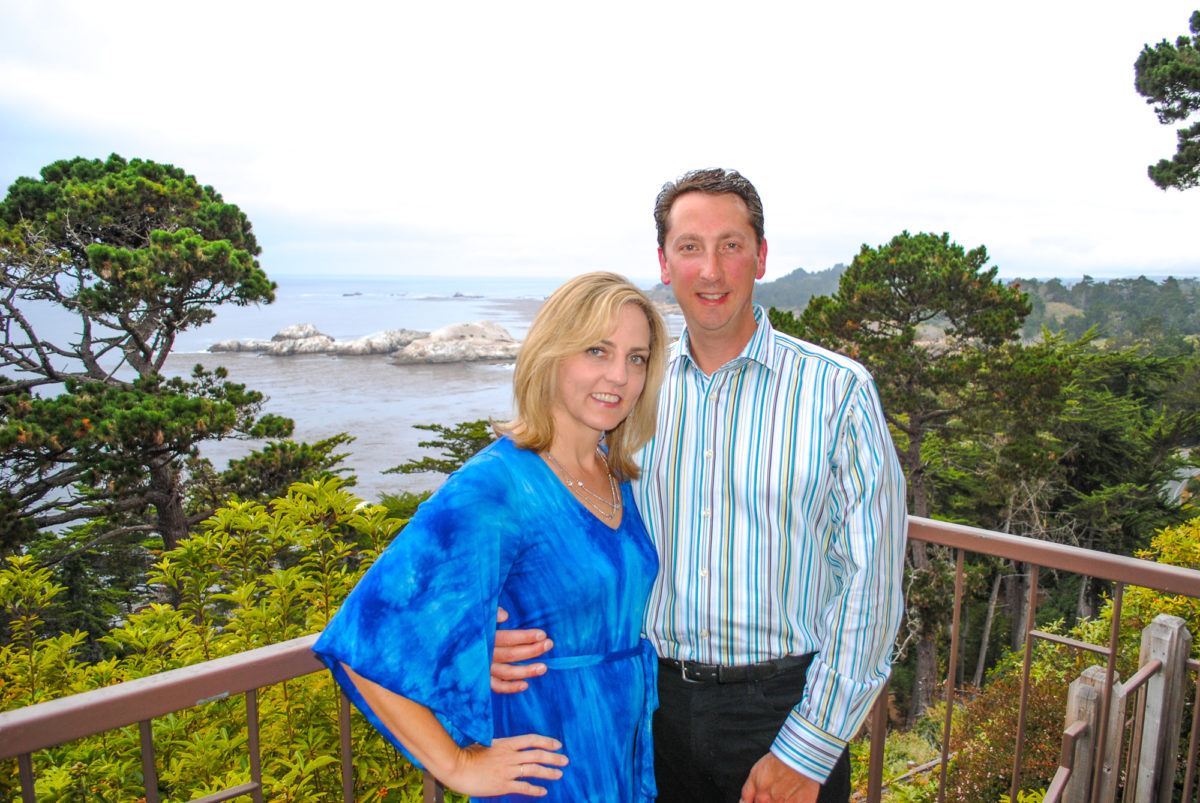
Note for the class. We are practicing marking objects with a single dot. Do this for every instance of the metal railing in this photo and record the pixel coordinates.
(37, 727)
(1037, 555)
(27, 730)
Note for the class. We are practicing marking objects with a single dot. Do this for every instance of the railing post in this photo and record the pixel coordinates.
(879, 723)
(1083, 704)
(347, 750)
(1168, 640)
(432, 790)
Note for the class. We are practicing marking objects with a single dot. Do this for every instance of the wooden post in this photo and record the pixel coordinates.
(1108, 754)
(1083, 703)
(1168, 640)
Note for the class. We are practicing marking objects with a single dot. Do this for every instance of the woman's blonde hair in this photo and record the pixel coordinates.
(577, 315)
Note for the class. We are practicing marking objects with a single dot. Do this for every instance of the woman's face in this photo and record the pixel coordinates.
(598, 387)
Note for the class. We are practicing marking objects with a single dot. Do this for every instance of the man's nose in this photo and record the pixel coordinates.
(710, 268)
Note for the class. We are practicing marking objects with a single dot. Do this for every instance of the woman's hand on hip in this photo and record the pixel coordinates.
(502, 768)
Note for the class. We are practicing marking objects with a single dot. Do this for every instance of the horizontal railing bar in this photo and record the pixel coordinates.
(1069, 642)
(1146, 672)
(1077, 560)
(229, 794)
(37, 727)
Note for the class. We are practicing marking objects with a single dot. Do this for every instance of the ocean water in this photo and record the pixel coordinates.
(369, 397)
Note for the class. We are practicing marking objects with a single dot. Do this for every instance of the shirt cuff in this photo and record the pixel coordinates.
(806, 748)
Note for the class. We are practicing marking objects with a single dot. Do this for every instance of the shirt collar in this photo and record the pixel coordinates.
(760, 349)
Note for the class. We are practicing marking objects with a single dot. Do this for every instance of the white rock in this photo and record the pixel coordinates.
(378, 343)
(478, 330)
(240, 345)
(317, 344)
(463, 342)
(298, 331)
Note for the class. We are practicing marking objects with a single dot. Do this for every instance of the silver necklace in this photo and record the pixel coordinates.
(608, 508)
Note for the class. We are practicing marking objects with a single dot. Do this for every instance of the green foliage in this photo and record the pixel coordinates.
(403, 505)
(1168, 77)
(902, 752)
(254, 574)
(265, 474)
(457, 444)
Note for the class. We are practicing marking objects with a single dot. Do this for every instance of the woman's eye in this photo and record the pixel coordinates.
(637, 359)
(596, 351)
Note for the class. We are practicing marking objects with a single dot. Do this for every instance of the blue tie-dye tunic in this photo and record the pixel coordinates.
(504, 531)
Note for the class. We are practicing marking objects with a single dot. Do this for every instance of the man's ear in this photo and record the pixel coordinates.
(762, 259)
(664, 271)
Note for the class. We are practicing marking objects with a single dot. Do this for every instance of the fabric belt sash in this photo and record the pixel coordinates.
(643, 748)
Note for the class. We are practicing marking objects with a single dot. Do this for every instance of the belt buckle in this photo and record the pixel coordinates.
(683, 673)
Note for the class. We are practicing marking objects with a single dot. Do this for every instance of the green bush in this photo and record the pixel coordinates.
(253, 574)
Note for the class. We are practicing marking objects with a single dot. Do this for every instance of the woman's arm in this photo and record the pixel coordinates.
(476, 770)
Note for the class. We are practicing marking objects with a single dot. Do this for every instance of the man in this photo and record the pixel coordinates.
(774, 496)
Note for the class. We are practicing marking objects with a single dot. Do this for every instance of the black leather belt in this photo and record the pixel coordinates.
(694, 672)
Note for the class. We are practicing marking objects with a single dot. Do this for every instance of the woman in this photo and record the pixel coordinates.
(542, 523)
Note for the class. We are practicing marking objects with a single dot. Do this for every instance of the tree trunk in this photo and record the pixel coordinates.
(167, 497)
(1084, 609)
(925, 678)
(986, 635)
(1017, 604)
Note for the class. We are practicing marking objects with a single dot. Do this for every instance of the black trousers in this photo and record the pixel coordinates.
(707, 736)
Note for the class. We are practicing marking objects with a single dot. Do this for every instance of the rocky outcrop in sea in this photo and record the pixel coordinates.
(461, 342)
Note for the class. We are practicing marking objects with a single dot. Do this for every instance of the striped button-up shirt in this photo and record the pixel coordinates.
(776, 500)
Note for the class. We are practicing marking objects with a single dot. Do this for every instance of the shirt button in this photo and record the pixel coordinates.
(708, 453)
(704, 572)
(705, 513)
(703, 634)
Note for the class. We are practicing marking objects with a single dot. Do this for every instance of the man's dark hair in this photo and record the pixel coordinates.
(714, 181)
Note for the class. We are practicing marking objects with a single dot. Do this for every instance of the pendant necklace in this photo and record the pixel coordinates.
(608, 508)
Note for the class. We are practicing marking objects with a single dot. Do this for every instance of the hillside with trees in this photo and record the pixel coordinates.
(1122, 311)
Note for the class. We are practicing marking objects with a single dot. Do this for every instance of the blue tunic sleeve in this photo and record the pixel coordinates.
(422, 620)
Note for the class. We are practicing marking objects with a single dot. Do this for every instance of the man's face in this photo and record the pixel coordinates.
(711, 259)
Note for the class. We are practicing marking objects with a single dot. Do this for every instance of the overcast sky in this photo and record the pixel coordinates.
(530, 138)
